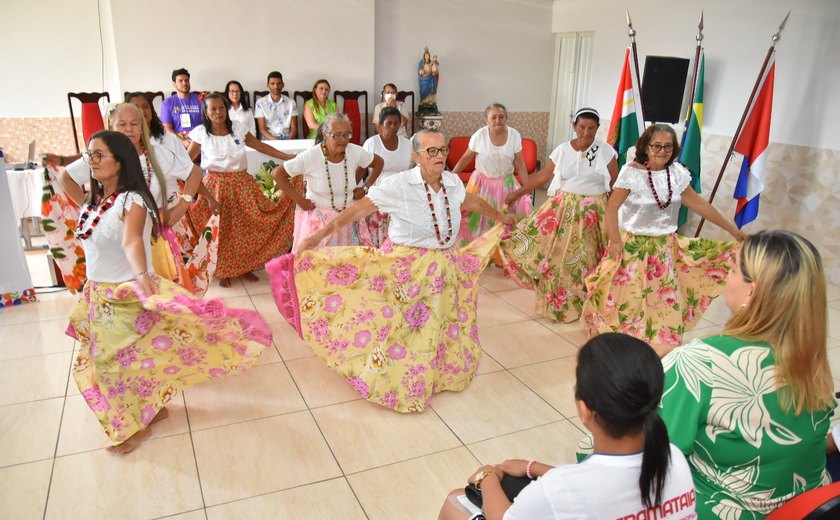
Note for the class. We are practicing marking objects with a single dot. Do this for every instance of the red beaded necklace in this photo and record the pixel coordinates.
(84, 235)
(329, 179)
(441, 241)
(653, 189)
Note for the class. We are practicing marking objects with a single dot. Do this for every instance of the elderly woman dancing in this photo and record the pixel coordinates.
(331, 171)
(398, 322)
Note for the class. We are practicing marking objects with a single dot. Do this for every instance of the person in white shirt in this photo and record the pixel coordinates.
(497, 149)
(399, 322)
(240, 112)
(253, 229)
(654, 284)
(142, 338)
(333, 181)
(389, 99)
(395, 151)
(633, 471)
(554, 249)
(276, 114)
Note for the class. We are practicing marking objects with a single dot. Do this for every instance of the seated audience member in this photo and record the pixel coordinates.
(276, 114)
(319, 107)
(240, 111)
(633, 471)
(751, 407)
(181, 113)
(389, 99)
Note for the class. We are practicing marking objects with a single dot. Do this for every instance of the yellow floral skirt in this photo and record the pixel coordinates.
(399, 323)
(136, 352)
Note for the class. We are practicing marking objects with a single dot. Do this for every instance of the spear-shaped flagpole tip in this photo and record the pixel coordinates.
(700, 29)
(781, 27)
(630, 30)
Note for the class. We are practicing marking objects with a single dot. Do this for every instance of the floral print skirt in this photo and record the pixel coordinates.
(373, 230)
(494, 191)
(554, 250)
(136, 351)
(660, 289)
(309, 222)
(398, 322)
(252, 228)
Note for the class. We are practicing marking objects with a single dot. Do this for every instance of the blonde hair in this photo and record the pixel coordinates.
(145, 139)
(788, 310)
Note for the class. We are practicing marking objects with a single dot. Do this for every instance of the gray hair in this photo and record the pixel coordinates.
(491, 106)
(415, 140)
(327, 124)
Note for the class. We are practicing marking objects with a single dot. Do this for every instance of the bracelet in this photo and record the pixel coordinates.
(141, 273)
(528, 469)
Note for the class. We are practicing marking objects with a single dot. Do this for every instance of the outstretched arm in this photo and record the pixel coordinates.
(352, 213)
(479, 205)
(701, 206)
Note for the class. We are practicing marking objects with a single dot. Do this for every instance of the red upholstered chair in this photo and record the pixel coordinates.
(304, 95)
(352, 109)
(92, 120)
(403, 95)
(822, 503)
(457, 147)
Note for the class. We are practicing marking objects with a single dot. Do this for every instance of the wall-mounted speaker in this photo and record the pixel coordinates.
(663, 86)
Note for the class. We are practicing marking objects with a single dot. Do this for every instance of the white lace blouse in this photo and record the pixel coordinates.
(639, 214)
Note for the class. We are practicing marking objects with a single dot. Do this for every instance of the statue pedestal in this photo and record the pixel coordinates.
(431, 122)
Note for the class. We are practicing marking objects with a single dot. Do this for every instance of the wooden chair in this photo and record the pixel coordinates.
(402, 95)
(457, 148)
(262, 93)
(304, 95)
(92, 120)
(150, 97)
(351, 109)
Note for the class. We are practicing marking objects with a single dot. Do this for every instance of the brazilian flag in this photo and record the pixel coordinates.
(690, 154)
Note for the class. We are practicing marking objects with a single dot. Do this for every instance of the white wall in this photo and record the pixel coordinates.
(490, 50)
(737, 33)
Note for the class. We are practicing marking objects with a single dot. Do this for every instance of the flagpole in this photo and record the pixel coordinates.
(631, 32)
(697, 50)
(770, 51)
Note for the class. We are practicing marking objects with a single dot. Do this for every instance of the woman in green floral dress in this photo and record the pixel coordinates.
(654, 284)
(554, 249)
(750, 408)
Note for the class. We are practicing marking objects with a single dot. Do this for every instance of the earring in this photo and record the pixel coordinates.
(743, 305)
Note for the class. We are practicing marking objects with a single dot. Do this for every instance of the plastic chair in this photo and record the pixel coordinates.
(92, 120)
(457, 147)
(822, 503)
(402, 95)
(304, 95)
(352, 110)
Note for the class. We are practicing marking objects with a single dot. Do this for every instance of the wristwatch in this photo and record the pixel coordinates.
(480, 476)
(188, 198)
(365, 188)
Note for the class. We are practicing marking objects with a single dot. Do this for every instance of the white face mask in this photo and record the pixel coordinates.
(389, 96)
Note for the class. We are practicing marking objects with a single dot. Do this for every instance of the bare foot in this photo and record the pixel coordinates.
(132, 442)
(224, 282)
(251, 277)
(162, 414)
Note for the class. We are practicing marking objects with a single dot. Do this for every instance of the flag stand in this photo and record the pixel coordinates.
(697, 50)
(770, 51)
(632, 34)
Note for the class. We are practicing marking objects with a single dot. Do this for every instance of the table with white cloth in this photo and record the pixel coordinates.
(26, 189)
(255, 158)
(15, 279)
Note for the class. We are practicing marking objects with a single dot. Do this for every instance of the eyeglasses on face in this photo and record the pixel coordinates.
(94, 157)
(659, 147)
(432, 151)
(342, 135)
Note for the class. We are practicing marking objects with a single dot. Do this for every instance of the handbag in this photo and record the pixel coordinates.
(512, 486)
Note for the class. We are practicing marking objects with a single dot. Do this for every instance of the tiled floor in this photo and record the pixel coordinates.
(288, 439)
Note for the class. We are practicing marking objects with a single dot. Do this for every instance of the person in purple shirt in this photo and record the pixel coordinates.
(181, 113)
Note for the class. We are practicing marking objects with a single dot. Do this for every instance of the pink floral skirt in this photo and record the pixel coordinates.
(399, 323)
(309, 222)
(136, 351)
(660, 289)
(494, 191)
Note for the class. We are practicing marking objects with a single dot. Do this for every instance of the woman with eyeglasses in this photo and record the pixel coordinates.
(497, 149)
(751, 407)
(165, 164)
(333, 171)
(240, 111)
(653, 284)
(395, 151)
(252, 228)
(318, 107)
(555, 249)
(141, 337)
(398, 322)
